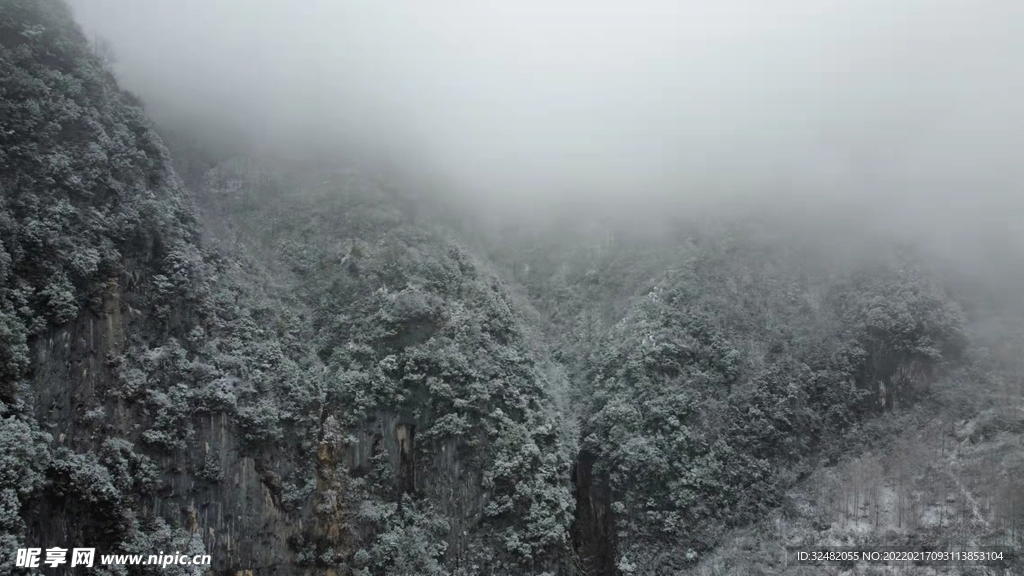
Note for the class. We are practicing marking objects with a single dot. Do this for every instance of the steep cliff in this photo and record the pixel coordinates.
(715, 387)
(160, 395)
(297, 370)
(104, 286)
(449, 420)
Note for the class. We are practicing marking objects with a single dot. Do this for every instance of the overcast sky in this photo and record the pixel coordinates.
(531, 99)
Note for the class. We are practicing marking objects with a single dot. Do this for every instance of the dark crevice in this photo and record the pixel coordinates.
(593, 531)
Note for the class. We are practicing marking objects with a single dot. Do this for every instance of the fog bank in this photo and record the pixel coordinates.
(912, 106)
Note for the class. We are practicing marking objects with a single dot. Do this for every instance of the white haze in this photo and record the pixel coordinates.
(905, 107)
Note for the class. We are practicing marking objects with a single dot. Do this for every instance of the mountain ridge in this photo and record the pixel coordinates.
(299, 369)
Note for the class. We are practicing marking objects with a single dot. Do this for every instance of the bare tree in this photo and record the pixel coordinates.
(104, 51)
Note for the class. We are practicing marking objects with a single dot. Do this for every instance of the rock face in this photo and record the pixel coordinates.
(435, 401)
(594, 529)
(306, 382)
(214, 489)
(383, 414)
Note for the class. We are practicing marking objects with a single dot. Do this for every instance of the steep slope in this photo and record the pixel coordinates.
(927, 481)
(125, 341)
(386, 418)
(752, 362)
(429, 367)
(944, 472)
(303, 374)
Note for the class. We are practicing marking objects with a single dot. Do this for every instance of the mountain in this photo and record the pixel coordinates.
(299, 368)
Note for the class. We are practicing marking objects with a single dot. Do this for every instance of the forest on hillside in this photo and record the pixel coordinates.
(298, 368)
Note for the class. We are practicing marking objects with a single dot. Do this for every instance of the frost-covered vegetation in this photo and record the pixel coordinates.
(731, 377)
(87, 201)
(388, 319)
(408, 324)
(285, 358)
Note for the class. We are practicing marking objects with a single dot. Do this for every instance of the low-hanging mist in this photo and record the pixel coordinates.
(522, 104)
(555, 289)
